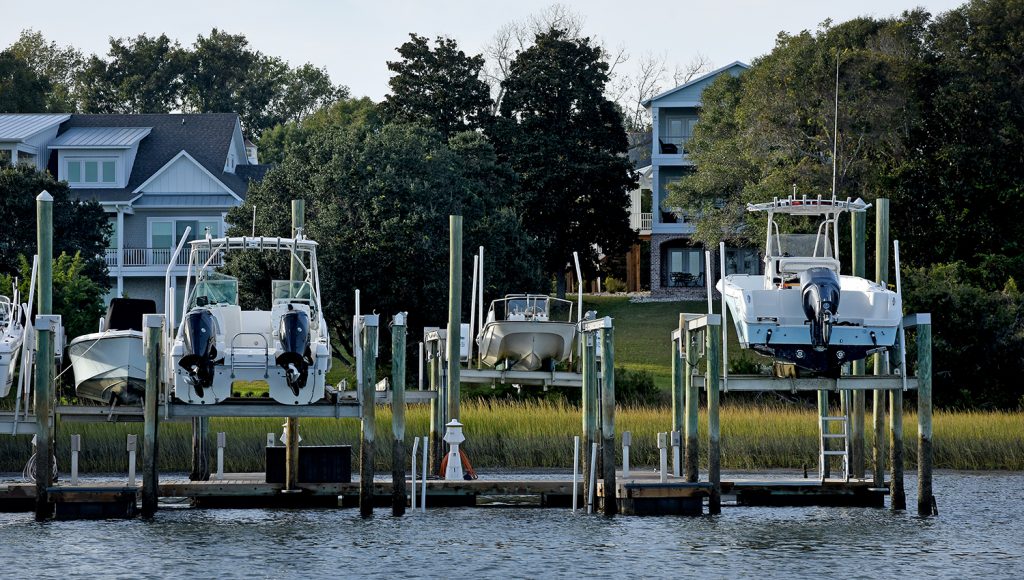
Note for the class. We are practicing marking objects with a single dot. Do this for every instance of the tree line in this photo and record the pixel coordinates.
(931, 116)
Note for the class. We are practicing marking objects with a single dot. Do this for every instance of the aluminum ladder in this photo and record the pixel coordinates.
(826, 452)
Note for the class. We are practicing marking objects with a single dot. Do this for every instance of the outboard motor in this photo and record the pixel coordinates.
(295, 358)
(200, 333)
(819, 289)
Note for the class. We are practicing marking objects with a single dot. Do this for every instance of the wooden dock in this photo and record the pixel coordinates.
(641, 494)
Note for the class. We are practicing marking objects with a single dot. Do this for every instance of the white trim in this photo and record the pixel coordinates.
(65, 160)
(182, 153)
(184, 218)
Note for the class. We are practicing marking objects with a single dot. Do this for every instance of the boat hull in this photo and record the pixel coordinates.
(526, 345)
(109, 366)
(772, 322)
(10, 346)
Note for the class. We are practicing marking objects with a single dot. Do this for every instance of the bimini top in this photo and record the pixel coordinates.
(809, 206)
(255, 243)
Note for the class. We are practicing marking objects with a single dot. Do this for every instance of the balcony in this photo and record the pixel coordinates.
(641, 222)
(155, 257)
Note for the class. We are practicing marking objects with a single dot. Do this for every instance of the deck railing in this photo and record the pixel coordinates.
(142, 257)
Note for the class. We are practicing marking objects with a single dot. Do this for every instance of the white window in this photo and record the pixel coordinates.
(164, 233)
(83, 172)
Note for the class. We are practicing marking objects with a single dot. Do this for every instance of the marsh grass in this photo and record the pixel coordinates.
(539, 434)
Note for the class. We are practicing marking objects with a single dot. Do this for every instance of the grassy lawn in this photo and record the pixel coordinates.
(643, 330)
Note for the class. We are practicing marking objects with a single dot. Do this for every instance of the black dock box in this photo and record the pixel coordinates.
(317, 464)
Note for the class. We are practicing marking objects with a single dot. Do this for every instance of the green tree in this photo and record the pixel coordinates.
(77, 226)
(143, 75)
(59, 65)
(76, 297)
(21, 89)
(440, 87)
(377, 202)
(565, 141)
(276, 142)
(772, 128)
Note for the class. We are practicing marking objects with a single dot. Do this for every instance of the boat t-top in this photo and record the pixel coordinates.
(802, 311)
(218, 343)
(526, 332)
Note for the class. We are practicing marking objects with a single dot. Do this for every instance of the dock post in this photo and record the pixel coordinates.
(291, 451)
(589, 404)
(133, 446)
(44, 355)
(611, 506)
(454, 315)
(881, 359)
(153, 323)
(925, 499)
(200, 452)
(858, 397)
(398, 498)
(896, 491)
(434, 384)
(692, 404)
(76, 447)
(713, 334)
(367, 412)
(678, 393)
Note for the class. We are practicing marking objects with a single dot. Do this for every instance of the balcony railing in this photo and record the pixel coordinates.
(143, 257)
(641, 221)
(674, 145)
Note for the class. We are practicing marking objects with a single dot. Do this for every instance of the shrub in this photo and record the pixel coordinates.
(614, 285)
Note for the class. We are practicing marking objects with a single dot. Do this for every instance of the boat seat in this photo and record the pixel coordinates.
(795, 265)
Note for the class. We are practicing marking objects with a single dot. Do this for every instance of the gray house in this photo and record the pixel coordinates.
(676, 263)
(155, 175)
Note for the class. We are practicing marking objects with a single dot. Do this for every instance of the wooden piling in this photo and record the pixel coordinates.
(454, 314)
(692, 455)
(896, 492)
(678, 394)
(153, 324)
(434, 439)
(367, 414)
(713, 334)
(608, 420)
(44, 356)
(398, 498)
(589, 400)
(881, 359)
(925, 499)
(291, 452)
(858, 398)
(200, 449)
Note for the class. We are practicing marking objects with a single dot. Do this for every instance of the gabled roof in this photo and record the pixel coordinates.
(184, 155)
(100, 137)
(206, 137)
(18, 127)
(695, 81)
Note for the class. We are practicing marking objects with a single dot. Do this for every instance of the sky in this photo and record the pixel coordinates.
(354, 40)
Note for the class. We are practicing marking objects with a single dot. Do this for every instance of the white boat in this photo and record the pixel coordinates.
(802, 311)
(12, 334)
(526, 332)
(110, 365)
(217, 343)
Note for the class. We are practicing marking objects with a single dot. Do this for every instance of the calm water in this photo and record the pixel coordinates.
(979, 533)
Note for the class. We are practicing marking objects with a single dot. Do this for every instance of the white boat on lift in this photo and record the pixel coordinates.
(527, 332)
(12, 335)
(802, 311)
(218, 343)
(109, 365)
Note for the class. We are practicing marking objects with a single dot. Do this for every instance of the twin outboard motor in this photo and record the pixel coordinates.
(295, 357)
(819, 289)
(201, 349)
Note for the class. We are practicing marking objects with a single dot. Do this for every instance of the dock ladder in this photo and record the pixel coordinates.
(826, 452)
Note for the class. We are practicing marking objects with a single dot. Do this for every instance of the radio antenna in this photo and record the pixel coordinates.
(835, 129)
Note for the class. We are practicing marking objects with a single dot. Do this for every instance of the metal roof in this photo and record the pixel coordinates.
(16, 127)
(100, 137)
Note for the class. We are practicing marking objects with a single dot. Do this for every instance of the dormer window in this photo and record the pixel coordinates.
(94, 172)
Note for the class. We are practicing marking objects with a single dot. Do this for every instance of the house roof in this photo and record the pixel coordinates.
(17, 127)
(100, 137)
(206, 137)
(692, 82)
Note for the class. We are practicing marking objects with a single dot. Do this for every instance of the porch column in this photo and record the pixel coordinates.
(120, 251)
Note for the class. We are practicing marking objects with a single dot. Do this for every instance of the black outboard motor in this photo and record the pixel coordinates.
(201, 349)
(820, 298)
(295, 358)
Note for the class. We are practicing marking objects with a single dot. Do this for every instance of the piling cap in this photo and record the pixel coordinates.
(453, 435)
(44, 196)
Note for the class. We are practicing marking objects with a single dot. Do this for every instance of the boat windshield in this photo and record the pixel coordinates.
(291, 290)
(215, 288)
(533, 307)
(801, 245)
